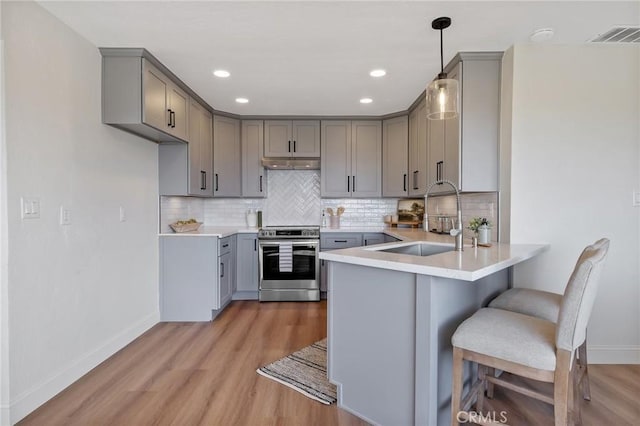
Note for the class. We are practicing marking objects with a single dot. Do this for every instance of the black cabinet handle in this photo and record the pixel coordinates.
(255, 245)
(260, 183)
(225, 245)
(221, 269)
(289, 146)
(294, 146)
(339, 241)
(203, 180)
(404, 182)
(415, 179)
(348, 190)
(439, 165)
(216, 181)
(354, 183)
(173, 119)
(169, 111)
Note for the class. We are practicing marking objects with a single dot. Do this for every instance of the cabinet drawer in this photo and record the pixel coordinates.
(225, 246)
(340, 241)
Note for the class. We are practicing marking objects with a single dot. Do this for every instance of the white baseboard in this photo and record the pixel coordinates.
(31, 399)
(597, 354)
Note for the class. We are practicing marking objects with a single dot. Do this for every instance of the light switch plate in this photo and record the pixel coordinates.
(123, 214)
(65, 216)
(636, 199)
(30, 207)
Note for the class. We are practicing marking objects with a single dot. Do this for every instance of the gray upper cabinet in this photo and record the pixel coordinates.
(227, 176)
(418, 170)
(351, 160)
(465, 149)
(286, 138)
(254, 182)
(187, 169)
(142, 97)
(395, 157)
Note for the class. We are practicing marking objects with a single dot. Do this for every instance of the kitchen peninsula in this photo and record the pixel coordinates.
(392, 310)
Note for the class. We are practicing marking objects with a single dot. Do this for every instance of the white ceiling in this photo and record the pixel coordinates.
(314, 58)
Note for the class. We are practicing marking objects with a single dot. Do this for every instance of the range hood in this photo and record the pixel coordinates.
(285, 163)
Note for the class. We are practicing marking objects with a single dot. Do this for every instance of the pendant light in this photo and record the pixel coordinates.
(442, 93)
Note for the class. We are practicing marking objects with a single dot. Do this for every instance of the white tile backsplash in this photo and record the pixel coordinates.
(293, 198)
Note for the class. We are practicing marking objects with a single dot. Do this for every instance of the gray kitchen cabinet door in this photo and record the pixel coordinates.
(297, 138)
(369, 239)
(335, 159)
(253, 174)
(395, 157)
(306, 138)
(464, 149)
(165, 105)
(178, 104)
(187, 169)
(247, 267)
(366, 159)
(188, 278)
(277, 138)
(200, 151)
(227, 176)
(418, 170)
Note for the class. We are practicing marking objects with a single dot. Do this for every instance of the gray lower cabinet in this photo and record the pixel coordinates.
(351, 159)
(227, 176)
(254, 183)
(464, 150)
(335, 241)
(189, 286)
(139, 96)
(247, 269)
(395, 157)
(226, 259)
(369, 239)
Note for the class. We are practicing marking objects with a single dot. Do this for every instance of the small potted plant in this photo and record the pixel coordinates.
(482, 228)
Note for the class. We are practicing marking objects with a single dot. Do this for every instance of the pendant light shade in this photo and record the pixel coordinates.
(442, 93)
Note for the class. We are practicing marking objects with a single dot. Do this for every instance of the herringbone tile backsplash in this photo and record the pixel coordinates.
(293, 198)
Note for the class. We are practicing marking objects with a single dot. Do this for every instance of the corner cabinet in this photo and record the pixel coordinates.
(395, 157)
(187, 169)
(297, 138)
(351, 159)
(418, 173)
(141, 96)
(254, 182)
(227, 176)
(464, 149)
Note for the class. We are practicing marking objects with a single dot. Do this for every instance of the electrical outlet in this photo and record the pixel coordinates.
(30, 207)
(65, 216)
(123, 214)
(636, 199)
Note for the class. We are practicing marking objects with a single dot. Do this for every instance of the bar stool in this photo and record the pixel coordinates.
(529, 346)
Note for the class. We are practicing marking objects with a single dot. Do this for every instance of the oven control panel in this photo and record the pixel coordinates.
(288, 233)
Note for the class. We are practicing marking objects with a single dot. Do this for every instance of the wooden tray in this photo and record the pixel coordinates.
(189, 227)
(412, 223)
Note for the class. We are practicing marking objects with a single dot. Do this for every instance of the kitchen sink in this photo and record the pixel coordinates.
(416, 249)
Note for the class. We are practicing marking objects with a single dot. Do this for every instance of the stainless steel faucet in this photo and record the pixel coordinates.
(455, 232)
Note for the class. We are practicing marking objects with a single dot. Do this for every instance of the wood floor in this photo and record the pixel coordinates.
(204, 374)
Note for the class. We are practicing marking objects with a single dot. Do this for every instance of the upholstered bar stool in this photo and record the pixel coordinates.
(545, 305)
(528, 346)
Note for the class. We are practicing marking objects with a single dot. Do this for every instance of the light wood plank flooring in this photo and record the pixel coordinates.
(204, 374)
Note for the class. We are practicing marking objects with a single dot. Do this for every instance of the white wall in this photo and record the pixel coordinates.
(77, 293)
(575, 146)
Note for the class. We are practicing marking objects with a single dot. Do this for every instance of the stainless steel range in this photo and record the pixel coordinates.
(289, 266)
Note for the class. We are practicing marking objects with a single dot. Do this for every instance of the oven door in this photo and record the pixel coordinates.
(303, 272)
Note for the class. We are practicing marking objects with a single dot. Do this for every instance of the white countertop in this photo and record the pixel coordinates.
(471, 264)
(212, 231)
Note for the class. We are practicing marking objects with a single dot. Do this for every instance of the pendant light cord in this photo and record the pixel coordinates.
(441, 54)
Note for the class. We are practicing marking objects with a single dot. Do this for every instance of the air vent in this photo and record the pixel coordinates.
(619, 35)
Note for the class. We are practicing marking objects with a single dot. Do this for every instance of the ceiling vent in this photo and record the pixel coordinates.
(619, 35)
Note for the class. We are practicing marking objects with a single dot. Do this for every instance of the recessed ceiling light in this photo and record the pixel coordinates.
(542, 34)
(366, 100)
(221, 73)
(378, 73)
(242, 100)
